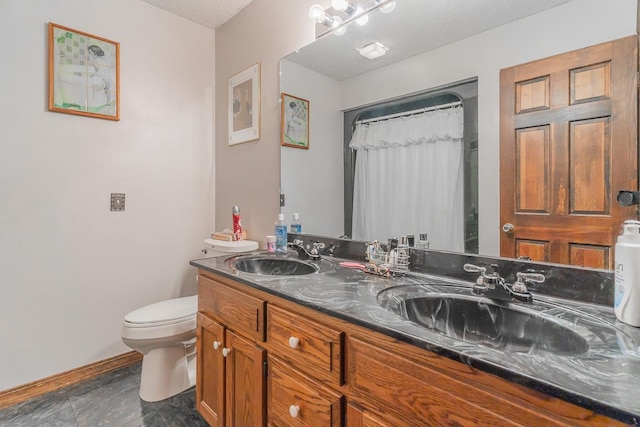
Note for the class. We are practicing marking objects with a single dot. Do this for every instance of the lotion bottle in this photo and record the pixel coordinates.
(627, 274)
(296, 225)
(280, 229)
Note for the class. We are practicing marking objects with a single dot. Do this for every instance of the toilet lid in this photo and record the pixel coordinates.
(165, 311)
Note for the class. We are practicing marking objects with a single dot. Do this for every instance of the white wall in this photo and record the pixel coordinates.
(567, 27)
(313, 180)
(69, 268)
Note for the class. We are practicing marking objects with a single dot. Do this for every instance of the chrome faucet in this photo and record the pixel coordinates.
(492, 286)
(313, 254)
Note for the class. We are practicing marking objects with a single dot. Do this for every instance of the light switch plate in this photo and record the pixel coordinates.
(117, 202)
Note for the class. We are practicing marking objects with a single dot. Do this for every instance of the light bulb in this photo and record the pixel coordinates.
(316, 13)
(363, 19)
(337, 21)
(388, 8)
(339, 4)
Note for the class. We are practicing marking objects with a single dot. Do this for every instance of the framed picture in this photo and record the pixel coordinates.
(84, 73)
(244, 106)
(294, 121)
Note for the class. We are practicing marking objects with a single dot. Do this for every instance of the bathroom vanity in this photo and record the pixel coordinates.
(328, 348)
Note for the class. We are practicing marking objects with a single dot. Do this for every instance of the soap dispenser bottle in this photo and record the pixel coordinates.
(296, 225)
(280, 229)
(627, 274)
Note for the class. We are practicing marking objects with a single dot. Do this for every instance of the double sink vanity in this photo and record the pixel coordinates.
(288, 342)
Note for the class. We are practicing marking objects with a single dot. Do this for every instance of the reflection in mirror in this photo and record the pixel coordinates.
(421, 148)
(460, 41)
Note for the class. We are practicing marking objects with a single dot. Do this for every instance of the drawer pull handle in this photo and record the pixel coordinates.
(294, 410)
(226, 351)
(216, 345)
(293, 342)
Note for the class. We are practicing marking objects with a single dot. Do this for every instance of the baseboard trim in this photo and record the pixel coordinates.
(46, 385)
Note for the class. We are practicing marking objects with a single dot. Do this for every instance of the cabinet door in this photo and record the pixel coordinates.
(210, 371)
(360, 417)
(245, 382)
(295, 400)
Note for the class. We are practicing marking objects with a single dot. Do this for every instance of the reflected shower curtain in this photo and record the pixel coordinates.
(409, 178)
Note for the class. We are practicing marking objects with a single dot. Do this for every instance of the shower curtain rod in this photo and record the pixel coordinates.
(410, 113)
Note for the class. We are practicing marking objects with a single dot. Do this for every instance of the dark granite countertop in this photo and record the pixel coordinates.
(606, 378)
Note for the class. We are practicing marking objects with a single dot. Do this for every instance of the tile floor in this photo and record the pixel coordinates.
(108, 400)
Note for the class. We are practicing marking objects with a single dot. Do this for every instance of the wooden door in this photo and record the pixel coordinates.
(568, 144)
(210, 371)
(245, 382)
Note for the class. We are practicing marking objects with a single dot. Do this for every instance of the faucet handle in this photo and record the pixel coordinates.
(470, 268)
(530, 277)
(298, 242)
(521, 278)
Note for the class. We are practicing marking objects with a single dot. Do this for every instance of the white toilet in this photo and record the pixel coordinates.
(165, 333)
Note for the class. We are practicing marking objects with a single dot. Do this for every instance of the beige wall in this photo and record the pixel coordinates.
(70, 269)
(248, 174)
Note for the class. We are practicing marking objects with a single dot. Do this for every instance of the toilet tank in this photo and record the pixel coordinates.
(214, 248)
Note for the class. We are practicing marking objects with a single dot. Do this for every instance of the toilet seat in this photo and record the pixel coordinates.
(163, 313)
(161, 320)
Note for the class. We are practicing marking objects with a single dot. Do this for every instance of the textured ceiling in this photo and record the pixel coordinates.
(210, 13)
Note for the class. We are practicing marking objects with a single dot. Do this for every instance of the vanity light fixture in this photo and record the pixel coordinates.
(373, 50)
(319, 16)
(350, 10)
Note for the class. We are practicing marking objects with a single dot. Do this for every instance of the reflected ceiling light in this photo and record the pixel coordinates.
(373, 50)
(363, 19)
(350, 10)
(336, 23)
(388, 7)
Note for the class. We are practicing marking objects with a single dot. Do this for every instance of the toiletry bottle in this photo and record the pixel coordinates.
(296, 225)
(271, 244)
(423, 241)
(281, 234)
(237, 225)
(627, 274)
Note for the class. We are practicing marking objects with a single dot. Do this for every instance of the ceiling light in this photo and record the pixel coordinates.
(336, 23)
(316, 13)
(388, 7)
(363, 19)
(339, 4)
(373, 50)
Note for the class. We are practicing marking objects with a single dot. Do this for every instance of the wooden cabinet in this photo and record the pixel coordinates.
(231, 366)
(297, 400)
(317, 362)
(357, 416)
(210, 371)
(306, 344)
(245, 382)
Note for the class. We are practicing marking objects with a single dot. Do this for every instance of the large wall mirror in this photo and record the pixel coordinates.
(431, 44)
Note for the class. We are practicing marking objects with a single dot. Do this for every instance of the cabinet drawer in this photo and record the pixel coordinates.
(307, 345)
(297, 400)
(237, 311)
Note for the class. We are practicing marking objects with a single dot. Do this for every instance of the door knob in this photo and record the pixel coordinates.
(508, 227)
(216, 345)
(226, 351)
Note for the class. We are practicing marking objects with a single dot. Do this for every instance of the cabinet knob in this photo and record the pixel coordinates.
(226, 351)
(293, 342)
(294, 410)
(216, 345)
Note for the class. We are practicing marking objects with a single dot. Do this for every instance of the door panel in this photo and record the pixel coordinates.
(568, 144)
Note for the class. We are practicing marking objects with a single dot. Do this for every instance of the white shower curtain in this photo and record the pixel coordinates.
(409, 178)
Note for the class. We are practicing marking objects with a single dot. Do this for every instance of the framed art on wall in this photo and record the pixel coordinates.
(294, 121)
(84, 73)
(244, 106)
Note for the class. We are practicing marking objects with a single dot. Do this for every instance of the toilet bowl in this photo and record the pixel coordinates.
(165, 334)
